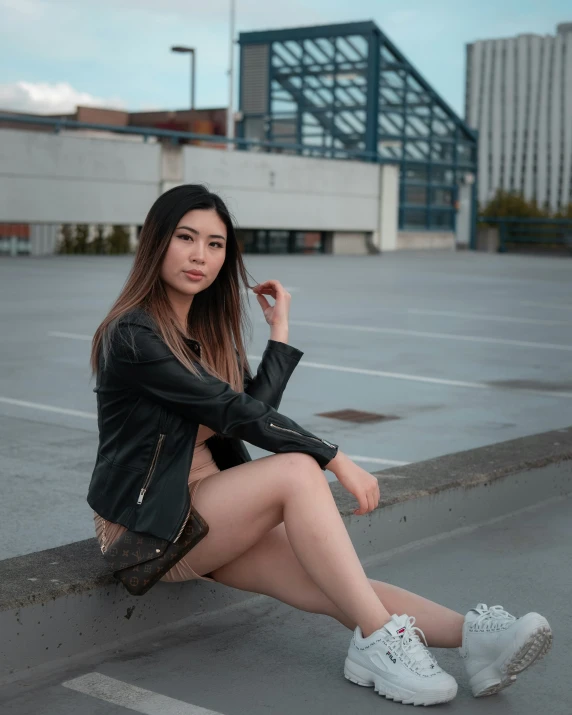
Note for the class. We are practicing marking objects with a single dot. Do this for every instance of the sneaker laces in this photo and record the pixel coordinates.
(414, 649)
(489, 618)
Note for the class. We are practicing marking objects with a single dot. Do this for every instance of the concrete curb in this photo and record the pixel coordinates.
(61, 603)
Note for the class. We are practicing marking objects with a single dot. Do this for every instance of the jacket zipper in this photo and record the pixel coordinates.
(151, 469)
(299, 434)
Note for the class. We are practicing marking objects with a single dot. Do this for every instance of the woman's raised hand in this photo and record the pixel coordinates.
(363, 485)
(275, 315)
(356, 480)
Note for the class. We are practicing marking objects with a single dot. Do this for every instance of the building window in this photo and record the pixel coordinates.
(415, 194)
(440, 175)
(415, 172)
(442, 197)
(414, 218)
(442, 219)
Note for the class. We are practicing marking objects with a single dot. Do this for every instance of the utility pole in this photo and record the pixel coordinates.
(230, 110)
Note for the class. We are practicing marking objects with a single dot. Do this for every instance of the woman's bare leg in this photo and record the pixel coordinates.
(271, 567)
(244, 503)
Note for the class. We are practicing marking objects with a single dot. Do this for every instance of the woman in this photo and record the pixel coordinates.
(176, 399)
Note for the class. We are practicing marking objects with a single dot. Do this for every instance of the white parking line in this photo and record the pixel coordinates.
(48, 408)
(393, 331)
(375, 460)
(72, 336)
(391, 375)
(480, 316)
(125, 695)
(423, 334)
(420, 378)
(93, 416)
(339, 368)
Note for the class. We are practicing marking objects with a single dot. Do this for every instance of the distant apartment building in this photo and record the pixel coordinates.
(518, 96)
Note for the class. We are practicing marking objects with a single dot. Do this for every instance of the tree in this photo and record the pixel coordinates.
(118, 240)
(565, 212)
(511, 203)
(81, 236)
(66, 244)
(98, 245)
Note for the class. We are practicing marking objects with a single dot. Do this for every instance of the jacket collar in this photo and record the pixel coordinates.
(138, 316)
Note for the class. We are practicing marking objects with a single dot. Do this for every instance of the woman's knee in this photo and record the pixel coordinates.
(301, 471)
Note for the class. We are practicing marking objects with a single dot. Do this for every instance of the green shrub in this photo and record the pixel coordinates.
(98, 245)
(77, 241)
(66, 242)
(81, 238)
(118, 240)
(513, 204)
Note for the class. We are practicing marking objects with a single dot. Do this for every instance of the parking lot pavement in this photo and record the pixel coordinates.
(458, 349)
(266, 657)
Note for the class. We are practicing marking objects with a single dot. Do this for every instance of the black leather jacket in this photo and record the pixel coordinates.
(149, 407)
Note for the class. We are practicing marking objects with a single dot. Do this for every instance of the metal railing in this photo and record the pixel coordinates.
(176, 137)
(545, 232)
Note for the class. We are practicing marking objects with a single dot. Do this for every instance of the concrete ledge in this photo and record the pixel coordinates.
(60, 603)
(467, 469)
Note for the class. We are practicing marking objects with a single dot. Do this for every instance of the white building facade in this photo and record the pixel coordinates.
(518, 95)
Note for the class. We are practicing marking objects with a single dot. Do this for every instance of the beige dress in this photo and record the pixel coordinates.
(203, 466)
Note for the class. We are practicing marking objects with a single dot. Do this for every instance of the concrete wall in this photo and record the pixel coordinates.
(386, 237)
(43, 239)
(349, 244)
(425, 239)
(289, 192)
(46, 178)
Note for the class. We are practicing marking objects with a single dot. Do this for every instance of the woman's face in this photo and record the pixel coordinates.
(198, 246)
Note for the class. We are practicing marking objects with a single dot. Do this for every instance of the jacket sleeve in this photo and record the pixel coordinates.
(142, 361)
(274, 371)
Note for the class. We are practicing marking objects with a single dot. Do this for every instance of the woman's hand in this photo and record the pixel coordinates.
(275, 315)
(363, 485)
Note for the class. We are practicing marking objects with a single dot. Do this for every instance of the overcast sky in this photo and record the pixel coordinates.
(55, 54)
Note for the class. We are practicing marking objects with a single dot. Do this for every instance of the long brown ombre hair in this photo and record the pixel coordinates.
(217, 318)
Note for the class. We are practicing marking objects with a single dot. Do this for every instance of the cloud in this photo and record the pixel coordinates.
(45, 98)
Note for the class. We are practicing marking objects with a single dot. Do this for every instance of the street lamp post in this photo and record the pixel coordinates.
(191, 51)
(230, 111)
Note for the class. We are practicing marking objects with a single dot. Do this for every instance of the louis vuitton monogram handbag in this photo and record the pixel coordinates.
(139, 560)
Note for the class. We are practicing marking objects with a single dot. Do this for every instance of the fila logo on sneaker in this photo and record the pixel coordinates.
(409, 678)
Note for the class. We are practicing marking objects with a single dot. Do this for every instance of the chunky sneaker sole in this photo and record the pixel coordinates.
(392, 691)
(534, 644)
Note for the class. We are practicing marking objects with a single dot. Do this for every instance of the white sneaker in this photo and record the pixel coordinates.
(496, 646)
(396, 663)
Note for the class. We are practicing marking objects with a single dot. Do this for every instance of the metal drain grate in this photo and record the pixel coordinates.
(356, 416)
